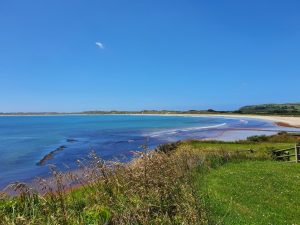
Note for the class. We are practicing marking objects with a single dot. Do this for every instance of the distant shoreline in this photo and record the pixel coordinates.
(223, 134)
(283, 121)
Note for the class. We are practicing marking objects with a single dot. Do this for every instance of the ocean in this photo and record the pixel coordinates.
(26, 140)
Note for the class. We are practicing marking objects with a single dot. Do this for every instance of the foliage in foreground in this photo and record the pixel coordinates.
(158, 187)
(152, 189)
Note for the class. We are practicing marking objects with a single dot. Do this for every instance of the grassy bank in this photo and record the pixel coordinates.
(191, 182)
(154, 189)
(250, 191)
(262, 192)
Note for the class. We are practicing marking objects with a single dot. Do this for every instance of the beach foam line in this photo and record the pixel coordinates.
(244, 121)
(174, 131)
(206, 127)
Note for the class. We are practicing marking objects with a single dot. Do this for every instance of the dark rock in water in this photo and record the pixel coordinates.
(71, 140)
(62, 147)
(50, 155)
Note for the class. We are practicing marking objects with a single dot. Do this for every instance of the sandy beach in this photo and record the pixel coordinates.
(285, 121)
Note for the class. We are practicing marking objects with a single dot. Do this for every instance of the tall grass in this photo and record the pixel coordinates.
(155, 188)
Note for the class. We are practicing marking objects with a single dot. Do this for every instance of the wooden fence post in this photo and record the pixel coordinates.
(297, 153)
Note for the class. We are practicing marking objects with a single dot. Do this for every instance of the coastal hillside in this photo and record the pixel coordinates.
(280, 109)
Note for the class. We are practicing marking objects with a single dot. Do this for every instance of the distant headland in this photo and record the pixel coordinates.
(289, 109)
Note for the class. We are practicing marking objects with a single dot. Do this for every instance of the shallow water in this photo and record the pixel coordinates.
(25, 140)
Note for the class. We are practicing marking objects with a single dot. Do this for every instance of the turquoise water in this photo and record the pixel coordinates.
(25, 140)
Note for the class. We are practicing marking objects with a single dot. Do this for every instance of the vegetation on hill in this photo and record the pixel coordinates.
(266, 109)
(189, 182)
(278, 109)
(155, 112)
(114, 112)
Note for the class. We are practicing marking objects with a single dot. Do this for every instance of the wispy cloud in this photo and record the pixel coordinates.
(99, 45)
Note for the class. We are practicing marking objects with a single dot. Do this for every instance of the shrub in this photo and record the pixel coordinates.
(167, 148)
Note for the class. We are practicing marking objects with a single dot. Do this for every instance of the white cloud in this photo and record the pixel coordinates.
(99, 45)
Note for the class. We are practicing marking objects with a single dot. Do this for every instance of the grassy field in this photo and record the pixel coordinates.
(232, 146)
(250, 191)
(191, 182)
(259, 192)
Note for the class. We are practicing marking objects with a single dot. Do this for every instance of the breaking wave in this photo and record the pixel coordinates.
(174, 131)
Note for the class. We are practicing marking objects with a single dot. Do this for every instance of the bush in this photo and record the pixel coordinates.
(277, 138)
(167, 148)
(256, 138)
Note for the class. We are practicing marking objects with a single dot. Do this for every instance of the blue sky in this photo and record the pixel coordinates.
(160, 54)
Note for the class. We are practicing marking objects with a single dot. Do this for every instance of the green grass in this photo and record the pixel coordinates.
(190, 182)
(233, 146)
(256, 192)
(249, 190)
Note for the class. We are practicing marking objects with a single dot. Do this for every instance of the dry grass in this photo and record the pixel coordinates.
(155, 188)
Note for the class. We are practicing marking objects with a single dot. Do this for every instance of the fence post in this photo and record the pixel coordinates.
(297, 153)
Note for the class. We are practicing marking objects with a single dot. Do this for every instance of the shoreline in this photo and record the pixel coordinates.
(279, 120)
(227, 135)
(283, 121)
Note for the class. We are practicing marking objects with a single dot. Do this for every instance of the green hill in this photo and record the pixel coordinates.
(283, 109)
